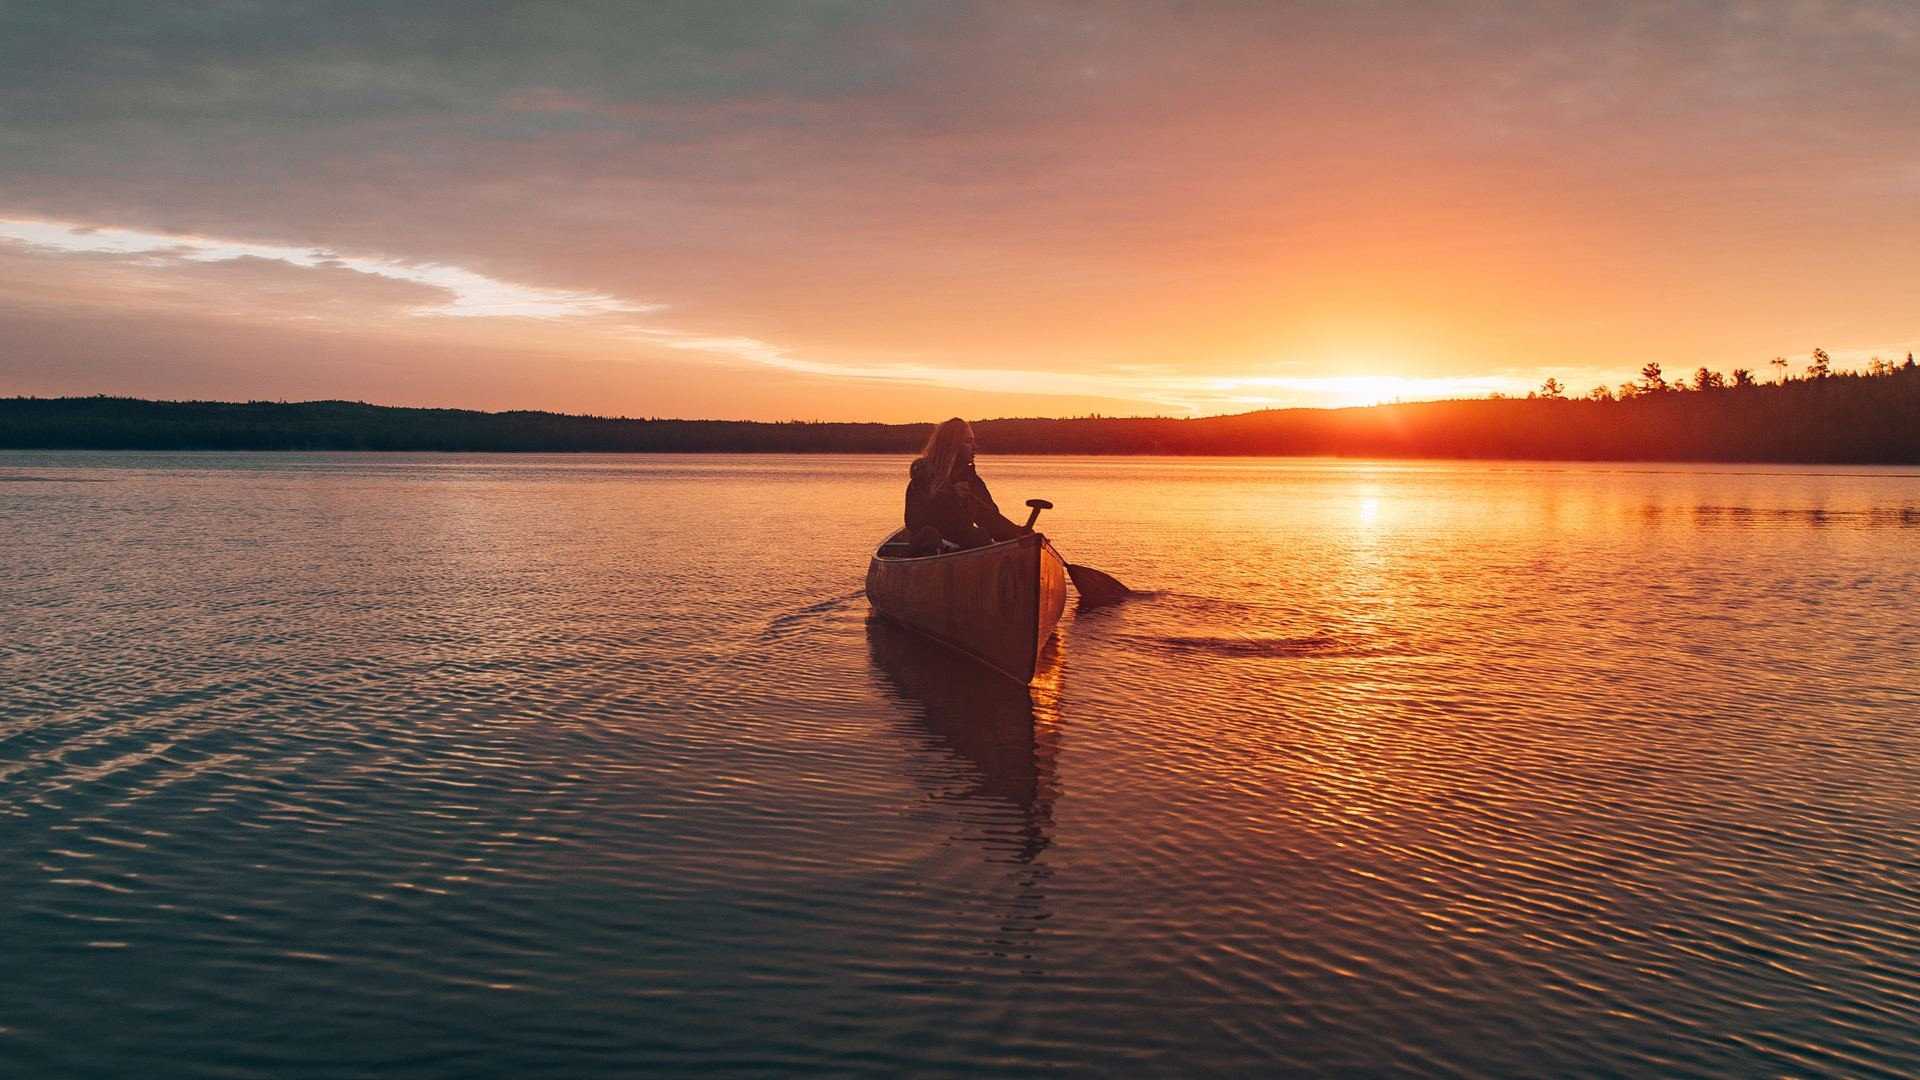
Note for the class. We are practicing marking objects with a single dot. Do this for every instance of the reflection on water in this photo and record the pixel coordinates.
(987, 744)
(319, 765)
(1005, 733)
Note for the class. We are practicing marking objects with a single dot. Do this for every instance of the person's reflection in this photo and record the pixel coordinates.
(993, 747)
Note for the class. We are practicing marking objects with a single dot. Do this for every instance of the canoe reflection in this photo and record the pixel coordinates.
(1003, 737)
(988, 747)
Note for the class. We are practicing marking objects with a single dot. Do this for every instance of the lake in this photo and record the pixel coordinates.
(317, 765)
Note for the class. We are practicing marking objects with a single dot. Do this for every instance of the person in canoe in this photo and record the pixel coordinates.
(948, 505)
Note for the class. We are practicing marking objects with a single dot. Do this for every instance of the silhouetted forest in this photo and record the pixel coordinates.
(1825, 416)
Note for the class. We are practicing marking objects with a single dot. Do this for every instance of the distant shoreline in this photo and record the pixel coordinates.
(1840, 419)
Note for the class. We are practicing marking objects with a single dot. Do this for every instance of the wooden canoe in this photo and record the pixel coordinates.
(998, 603)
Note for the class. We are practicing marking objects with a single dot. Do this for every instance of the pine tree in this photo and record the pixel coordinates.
(1650, 378)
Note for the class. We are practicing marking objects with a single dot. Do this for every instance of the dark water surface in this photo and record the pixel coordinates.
(316, 765)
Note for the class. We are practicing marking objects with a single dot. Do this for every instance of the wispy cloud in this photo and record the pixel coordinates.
(1157, 387)
(611, 327)
(469, 294)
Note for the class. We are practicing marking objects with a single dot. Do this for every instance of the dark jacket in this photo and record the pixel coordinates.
(946, 510)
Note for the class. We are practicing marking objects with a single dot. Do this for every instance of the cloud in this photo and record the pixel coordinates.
(458, 292)
(192, 276)
(1169, 390)
(303, 62)
(246, 288)
(236, 280)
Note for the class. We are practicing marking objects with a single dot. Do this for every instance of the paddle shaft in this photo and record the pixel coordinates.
(1095, 587)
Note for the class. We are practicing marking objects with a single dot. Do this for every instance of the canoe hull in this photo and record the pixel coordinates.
(998, 603)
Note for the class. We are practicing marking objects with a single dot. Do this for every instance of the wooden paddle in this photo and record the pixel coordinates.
(1095, 587)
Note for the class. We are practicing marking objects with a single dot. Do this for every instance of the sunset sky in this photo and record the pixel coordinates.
(900, 211)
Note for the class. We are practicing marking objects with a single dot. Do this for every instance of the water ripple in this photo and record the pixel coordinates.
(336, 764)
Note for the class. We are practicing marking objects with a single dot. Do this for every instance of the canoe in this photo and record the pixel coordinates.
(998, 603)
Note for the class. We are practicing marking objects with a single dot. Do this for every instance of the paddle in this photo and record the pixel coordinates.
(1095, 587)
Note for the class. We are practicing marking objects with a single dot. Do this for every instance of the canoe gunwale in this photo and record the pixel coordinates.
(996, 547)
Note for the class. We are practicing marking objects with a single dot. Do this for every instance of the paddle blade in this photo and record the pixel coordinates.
(1095, 587)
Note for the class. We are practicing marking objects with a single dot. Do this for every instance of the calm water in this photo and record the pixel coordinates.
(559, 766)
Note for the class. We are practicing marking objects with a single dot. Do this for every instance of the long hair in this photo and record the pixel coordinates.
(942, 453)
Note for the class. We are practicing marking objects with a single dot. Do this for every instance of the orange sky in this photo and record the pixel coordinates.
(895, 212)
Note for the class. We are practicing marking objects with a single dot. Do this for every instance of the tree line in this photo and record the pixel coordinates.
(1820, 415)
(1653, 380)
